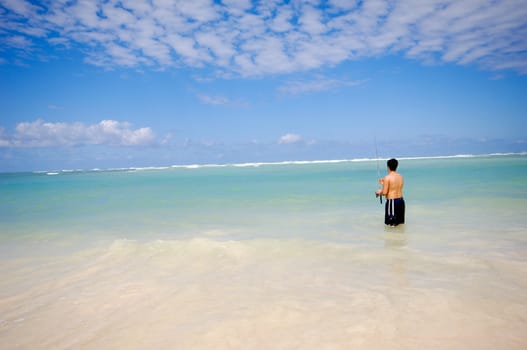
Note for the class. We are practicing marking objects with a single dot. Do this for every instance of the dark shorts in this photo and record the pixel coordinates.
(394, 212)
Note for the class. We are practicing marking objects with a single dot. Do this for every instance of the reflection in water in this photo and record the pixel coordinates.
(395, 239)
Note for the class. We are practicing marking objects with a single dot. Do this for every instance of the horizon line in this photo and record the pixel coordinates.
(258, 164)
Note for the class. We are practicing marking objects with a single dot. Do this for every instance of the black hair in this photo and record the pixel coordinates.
(392, 164)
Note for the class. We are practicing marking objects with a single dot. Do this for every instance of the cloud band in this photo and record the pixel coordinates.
(252, 38)
(106, 132)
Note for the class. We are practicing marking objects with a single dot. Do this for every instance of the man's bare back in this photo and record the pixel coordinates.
(392, 185)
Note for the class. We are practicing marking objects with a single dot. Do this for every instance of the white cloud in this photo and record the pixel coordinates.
(24, 8)
(310, 21)
(343, 4)
(18, 42)
(107, 132)
(252, 38)
(219, 45)
(282, 21)
(289, 138)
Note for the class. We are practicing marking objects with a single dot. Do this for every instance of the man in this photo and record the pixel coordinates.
(392, 189)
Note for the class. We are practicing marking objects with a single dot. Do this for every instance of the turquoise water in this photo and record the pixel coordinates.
(210, 256)
(238, 202)
(277, 200)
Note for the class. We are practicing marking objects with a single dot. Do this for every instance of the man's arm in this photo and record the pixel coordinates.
(385, 184)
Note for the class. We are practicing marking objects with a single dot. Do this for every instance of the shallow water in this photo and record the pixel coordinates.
(275, 256)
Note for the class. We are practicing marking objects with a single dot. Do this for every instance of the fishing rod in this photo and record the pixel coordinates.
(377, 161)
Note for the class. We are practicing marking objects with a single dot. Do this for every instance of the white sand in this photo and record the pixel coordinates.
(263, 294)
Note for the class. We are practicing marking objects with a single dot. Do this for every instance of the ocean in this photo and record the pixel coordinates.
(291, 255)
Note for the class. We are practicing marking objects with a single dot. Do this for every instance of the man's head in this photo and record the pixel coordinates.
(392, 164)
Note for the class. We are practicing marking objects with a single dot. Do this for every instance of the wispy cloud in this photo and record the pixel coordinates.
(4, 138)
(219, 100)
(298, 87)
(289, 138)
(253, 38)
(213, 100)
(44, 134)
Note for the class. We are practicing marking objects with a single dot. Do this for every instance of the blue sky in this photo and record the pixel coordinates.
(99, 84)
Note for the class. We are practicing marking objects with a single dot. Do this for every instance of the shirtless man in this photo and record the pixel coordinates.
(392, 189)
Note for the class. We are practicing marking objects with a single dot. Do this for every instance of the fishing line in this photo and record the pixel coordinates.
(377, 161)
